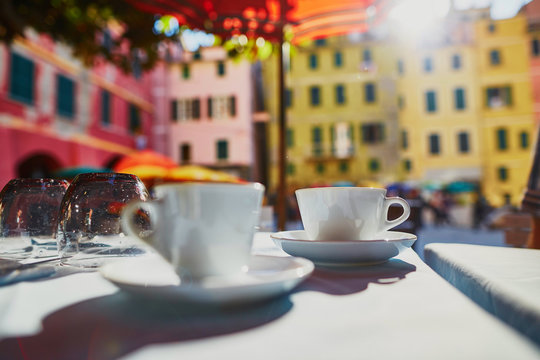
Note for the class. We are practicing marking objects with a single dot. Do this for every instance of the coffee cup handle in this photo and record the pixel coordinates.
(128, 215)
(388, 224)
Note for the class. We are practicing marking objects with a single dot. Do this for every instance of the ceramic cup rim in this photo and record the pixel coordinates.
(343, 188)
(249, 185)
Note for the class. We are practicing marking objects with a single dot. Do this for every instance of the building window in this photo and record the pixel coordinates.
(495, 57)
(428, 64)
(291, 169)
(343, 167)
(315, 95)
(197, 55)
(221, 107)
(232, 106)
(320, 42)
(105, 108)
(222, 149)
(174, 110)
(134, 119)
(65, 96)
(456, 62)
(459, 99)
(535, 47)
(316, 140)
(21, 82)
(338, 59)
(524, 140)
(340, 94)
(502, 173)
(290, 137)
(407, 165)
(507, 198)
(185, 71)
(491, 28)
(498, 97)
(434, 144)
(185, 153)
(374, 165)
(404, 140)
(502, 139)
(313, 61)
(369, 92)
(221, 68)
(319, 168)
(186, 109)
(400, 67)
(463, 142)
(288, 98)
(431, 101)
(401, 102)
(372, 133)
(366, 56)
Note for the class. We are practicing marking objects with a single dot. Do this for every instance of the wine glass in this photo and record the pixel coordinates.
(89, 232)
(29, 211)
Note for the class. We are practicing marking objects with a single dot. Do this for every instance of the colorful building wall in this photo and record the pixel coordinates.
(55, 113)
(506, 94)
(211, 111)
(341, 113)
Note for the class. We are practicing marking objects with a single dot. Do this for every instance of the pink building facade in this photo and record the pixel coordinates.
(211, 111)
(57, 113)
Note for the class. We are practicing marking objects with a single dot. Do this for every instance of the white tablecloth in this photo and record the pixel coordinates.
(504, 281)
(397, 310)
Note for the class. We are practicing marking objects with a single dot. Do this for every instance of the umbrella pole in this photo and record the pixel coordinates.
(282, 150)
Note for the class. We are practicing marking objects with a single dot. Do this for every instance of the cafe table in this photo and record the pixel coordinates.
(503, 281)
(400, 309)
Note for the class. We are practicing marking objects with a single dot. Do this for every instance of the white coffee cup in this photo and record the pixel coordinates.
(201, 229)
(347, 213)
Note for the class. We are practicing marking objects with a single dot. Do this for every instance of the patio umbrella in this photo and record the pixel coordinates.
(199, 173)
(146, 158)
(309, 19)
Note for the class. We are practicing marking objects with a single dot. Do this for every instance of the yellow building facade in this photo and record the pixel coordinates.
(454, 108)
(341, 114)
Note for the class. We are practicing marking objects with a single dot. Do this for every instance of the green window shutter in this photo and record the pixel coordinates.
(21, 84)
(221, 68)
(502, 141)
(316, 137)
(502, 173)
(319, 168)
(313, 61)
(315, 95)
(404, 139)
(343, 167)
(185, 71)
(291, 169)
(222, 149)
(369, 93)
(105, 107)
(407, 165)
(338, 59)
(232, 106)
(174, 110)
(196, 108)
(431, 101)
(134, 119)
(374, 165)
(290, 137)
(459, 98)
(463, 142)
(209, 107)
(332, 138)
(65, 96)
(434, 144)
(524, 140)
(508, 95)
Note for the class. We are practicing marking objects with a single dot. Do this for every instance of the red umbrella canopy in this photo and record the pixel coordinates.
(145, 157)
(309, 19)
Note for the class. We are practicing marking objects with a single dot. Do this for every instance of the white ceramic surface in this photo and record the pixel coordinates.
(201, 229)
(265, 277)
(347, 213)
(386, 245)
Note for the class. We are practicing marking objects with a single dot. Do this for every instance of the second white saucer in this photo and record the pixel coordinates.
(387, 245)
(266, 277)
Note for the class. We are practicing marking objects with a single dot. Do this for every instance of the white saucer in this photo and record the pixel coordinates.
(387, 245)
(266, 277)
